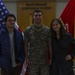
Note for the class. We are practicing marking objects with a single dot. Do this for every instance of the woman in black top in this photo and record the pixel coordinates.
(63, 49)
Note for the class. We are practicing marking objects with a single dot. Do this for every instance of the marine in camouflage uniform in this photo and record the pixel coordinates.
(38, 46)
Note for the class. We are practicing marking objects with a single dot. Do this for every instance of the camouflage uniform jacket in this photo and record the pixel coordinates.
(38, 43)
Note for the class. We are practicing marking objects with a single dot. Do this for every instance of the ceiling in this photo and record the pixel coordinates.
(38, 0)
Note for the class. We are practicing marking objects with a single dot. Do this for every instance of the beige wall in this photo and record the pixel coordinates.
(25, 10)
(12, 7)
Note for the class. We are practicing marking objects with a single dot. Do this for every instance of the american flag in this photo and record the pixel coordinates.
(3, 13)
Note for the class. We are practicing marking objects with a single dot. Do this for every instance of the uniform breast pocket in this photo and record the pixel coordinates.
(32, 36)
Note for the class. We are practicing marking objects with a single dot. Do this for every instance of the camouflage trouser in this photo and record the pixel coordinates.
(38, 70)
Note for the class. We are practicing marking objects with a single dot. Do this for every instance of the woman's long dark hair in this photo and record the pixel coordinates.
(62, 29)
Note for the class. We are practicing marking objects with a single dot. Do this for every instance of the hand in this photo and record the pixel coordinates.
(68, 57)
(19, 64)
(27, 62)
(50, 61)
